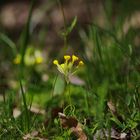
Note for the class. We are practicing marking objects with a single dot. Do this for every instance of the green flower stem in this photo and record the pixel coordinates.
(27, 116)
(65, 24)
(69, 94)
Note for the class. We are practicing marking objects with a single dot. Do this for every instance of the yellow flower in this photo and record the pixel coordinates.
(31, 57)
(67, 57)
(81, 63)
(17, 60)
(69, 67)
(62, 66)
(38, 57)
(39, 60)
(74, 58)
(55, 62)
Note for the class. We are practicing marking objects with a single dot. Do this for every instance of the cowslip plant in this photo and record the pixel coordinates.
(69, 67)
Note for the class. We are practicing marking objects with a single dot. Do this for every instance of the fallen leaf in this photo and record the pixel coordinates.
(73, 124)
(67, 122)
(37, 110)
(55, 111)
(78, 132)
(16, 112)
(113, 134)
(112, 107)
(33, 135)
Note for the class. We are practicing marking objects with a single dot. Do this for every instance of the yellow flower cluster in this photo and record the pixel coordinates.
(69, 66)
(30, 59)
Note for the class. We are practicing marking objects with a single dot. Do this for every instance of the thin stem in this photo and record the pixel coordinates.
(63, 14)
(65, 24)
(70, 107)
(69, 92)
(25, 106)
(63, 99)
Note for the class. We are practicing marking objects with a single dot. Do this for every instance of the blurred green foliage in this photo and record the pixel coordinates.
(110, 95)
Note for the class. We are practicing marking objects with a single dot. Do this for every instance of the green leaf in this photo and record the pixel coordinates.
(59, 86)
(8, 42)
(70, 28)
(25, 35)
(114, 119)
(98, 43)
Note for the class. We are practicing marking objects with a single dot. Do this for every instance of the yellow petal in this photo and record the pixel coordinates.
(55, 62)
(63, 66)
(81, 63)
(39, 60)
(67, 57)
(74, 58)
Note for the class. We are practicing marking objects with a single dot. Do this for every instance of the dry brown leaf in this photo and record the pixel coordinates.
(37, 110)
(114, 110)
(78, 132)
(73, 125)
(16, 112)
(54, 114)
(55, 111)
(113, 134)
(33, 135)
(67, 122)
(111, 107)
